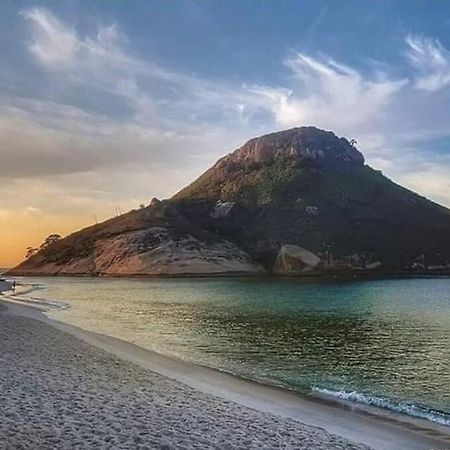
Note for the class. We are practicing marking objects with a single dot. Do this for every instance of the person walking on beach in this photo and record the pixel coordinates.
(14, 286)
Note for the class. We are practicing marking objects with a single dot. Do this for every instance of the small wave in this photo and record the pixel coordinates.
(38, 301)
(23, 289)
(381, 402)
(21, 296)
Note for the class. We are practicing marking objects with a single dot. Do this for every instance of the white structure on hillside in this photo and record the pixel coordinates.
(221, 210)
(312, 210)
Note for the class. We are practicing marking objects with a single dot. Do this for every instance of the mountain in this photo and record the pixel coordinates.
(300, 201)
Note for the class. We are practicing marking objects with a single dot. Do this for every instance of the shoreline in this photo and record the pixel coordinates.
(58, 391)
(362, 424)
(354, 275)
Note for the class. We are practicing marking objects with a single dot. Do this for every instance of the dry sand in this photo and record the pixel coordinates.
(57, 392)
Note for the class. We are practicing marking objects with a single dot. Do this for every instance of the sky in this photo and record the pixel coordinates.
(105, 104)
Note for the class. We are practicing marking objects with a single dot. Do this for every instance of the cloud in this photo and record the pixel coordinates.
(432, 60)
(330, 95)
(111, 111)
(108, 108)
(102, 62)
(90, 164)
(54, 43)
(432, 179)
(96, 62)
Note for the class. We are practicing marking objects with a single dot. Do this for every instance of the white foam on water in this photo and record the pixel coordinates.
(381, 402)
(22, 296)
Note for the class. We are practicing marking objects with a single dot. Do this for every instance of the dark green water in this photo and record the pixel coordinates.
(381, 342)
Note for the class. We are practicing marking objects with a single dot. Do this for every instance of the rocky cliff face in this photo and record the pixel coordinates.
(309, 145)
(298, 201)
(153, 251)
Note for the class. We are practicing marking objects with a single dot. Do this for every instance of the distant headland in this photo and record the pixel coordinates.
(298, 202)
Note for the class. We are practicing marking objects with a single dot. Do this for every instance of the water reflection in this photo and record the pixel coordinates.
(389, 338)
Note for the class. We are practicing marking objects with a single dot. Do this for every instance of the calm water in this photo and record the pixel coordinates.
(380, 342)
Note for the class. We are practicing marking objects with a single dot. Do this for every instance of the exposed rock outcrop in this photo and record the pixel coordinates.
(221, 210)
(157, 240)
(311, 146)
(154, 251)
(292, 259)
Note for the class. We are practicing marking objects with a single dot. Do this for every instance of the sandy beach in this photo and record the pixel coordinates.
(59, 392)
(63, 387)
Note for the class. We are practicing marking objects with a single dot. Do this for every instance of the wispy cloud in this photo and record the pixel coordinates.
(53, 42)
(331, 95)
(431, 60)
(102, 62)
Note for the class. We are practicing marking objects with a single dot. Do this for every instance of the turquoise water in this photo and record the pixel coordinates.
(381, 342)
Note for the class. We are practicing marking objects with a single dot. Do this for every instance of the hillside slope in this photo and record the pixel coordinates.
(156, 240)
(299, 201)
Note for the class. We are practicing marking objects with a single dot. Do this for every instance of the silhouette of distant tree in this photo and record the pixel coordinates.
(49, 240)
(30, 252)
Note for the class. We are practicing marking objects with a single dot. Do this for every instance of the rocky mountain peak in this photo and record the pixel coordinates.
(276, 204)
(312, 146)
